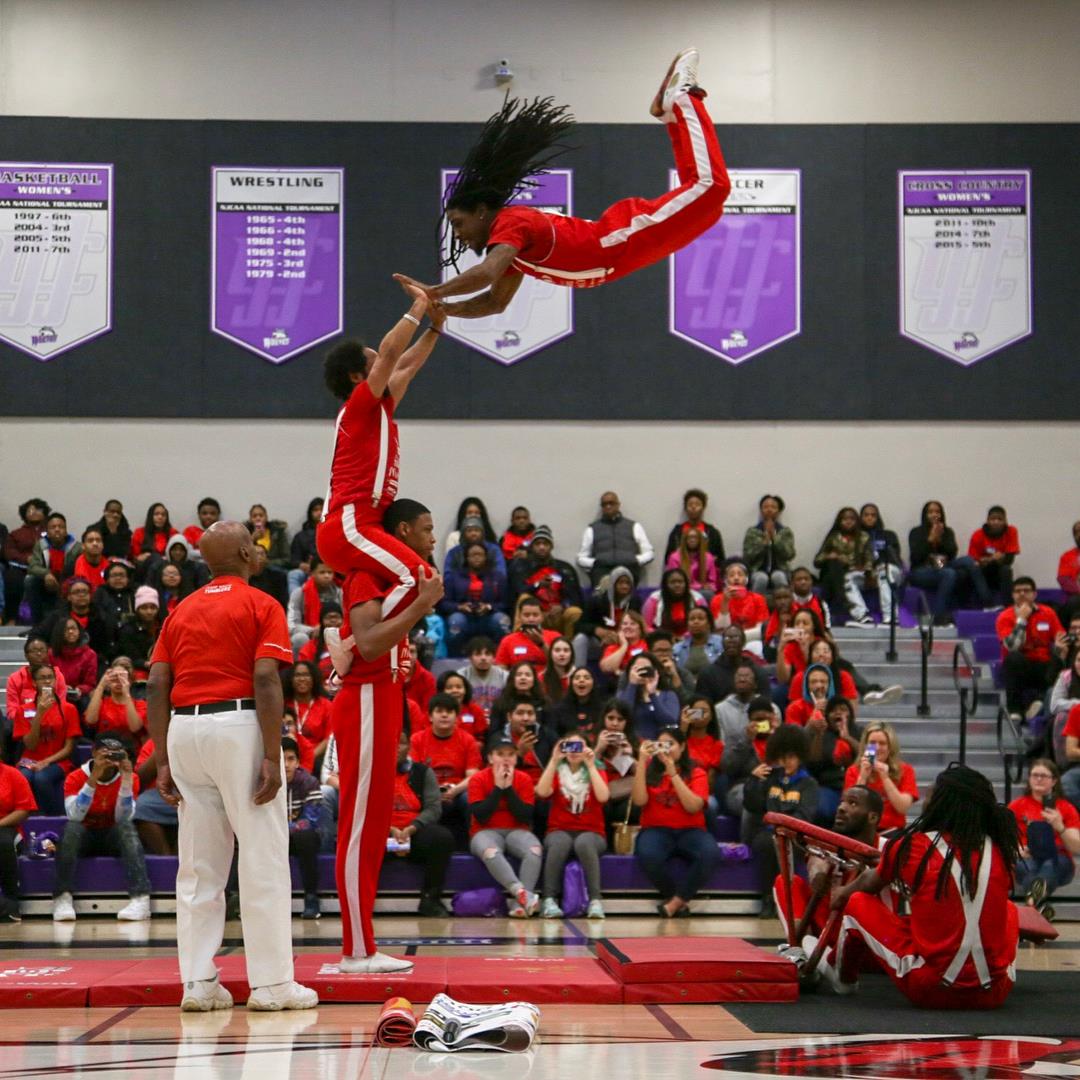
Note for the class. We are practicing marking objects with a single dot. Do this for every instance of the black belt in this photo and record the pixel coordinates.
(234, 705)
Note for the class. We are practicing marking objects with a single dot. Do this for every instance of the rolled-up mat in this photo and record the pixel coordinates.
(396, 1023)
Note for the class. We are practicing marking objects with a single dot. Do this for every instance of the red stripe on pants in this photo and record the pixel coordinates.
(367, 721)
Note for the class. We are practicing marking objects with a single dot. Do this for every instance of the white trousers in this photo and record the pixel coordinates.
(215, 761)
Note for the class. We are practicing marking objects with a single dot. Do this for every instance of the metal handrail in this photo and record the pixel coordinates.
(966, 710)
(1012, 756)
(891, 655)
(926, 638)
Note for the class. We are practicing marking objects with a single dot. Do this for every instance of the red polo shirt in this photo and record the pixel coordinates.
(1042, 627)
(1069, 570)
(516, 647)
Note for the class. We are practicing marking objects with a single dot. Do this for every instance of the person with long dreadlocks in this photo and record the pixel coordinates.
(954, 863)
(522, 140)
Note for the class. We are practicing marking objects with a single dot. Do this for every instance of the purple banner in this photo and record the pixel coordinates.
(736, 290)
(541, 313)
(965, 260)
(55, 255)
(277, 262)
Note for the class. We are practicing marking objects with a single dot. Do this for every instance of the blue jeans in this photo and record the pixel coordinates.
(121, 839)
(945, 581)
(655, 849)
(48, 787)
(1046, 861)
(296, 578)
(463, 626)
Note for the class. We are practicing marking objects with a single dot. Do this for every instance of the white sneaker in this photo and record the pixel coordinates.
(826, 970)
(287, 995)
(795, 953)
(889, 696)
(865, 622)
(376, 964)
(340, 650)
(550, 910)
(63, 910)
(137, 910)
(595, 910)
(205, 995)
(681, 77)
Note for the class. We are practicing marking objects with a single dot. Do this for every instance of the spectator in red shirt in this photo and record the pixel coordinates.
(48, 730)
(780, 619)
(18, 547)
(631, 642)
(699, 724)
(87, 559)
(1027, 631)
(515, 541)
(668, 607)
(45, 571)
(471, 716)
(1070, 780)
(112, 709)
(1049, 827)
(208, 511)
(824, 651)
(304, 692)
(737, 605)
(452, 753)
(78, 662)
(795, 643)
(99, 800)
(1068, 576)
(16, 804)
(816, 688)
(419, 682)
(672, 792)
(316, 650)
(20, 691)
(577, 789)
(501, 801)
(882, 770)
(529, 640)
(148, 542)
(994, 548)
(533, 740)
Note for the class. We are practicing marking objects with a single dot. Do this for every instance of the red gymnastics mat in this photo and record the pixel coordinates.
(488, 980)
(54, 984)
(320, 972)
(157, 982)
(681, 960)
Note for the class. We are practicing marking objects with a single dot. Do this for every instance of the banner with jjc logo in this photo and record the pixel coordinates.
(55, 255)
(278, 257)
(540, 313)
(965, 260)
(736, 290)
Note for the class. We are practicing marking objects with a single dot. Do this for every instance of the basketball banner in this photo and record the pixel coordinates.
(277, 258)
(55, 255)
(541, 312)
(736, 290)
(965, 260)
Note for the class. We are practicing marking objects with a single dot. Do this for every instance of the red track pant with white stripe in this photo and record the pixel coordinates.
(638, 232)
(347, 543)
(367, 721)
(870, 930)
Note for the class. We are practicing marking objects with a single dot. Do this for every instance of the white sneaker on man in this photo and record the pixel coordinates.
(205, 995)
(681, 76)
(63, 910)
(376, 964)
(340, 650)
(136, 910)
(863, 622)
(286, 995)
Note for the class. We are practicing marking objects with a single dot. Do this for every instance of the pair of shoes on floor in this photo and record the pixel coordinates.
(137, 909)
(890, 695)
(681, 78)
(205, 995)
(312, 910)
(376, 964)
(432, 907)
(523, 905)
(682, 913)
(282, 996)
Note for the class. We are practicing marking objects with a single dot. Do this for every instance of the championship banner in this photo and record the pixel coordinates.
(55, 255)
(965, 260)
(540, 313)
(736, 290)
(277, 258)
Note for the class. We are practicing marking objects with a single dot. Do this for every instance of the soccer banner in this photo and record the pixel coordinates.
(540, 313)
(55, 255)
(736, 290)
(277, 258)
(965, 260)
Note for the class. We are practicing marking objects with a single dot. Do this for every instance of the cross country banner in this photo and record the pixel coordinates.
(541, 312)
(736, 290)
(277, 261)
(55, 255)
(965, 260)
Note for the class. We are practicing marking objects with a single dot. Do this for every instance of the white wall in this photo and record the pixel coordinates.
(785, 61)
(559, 470)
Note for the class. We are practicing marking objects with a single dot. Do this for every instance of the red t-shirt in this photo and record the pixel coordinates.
(102, 812)
(1027, 809)
(747, 611)
(482, 784)
(937, 926)
(1042, 627)
(706, 750)
(546, 584)
(890, 818)
(144, 754)
(561, 817)
(516, 647)
(313, 719)
(511, 542)
(634, 650)
(471, 719)
(95, 575)
(193, 534)
(812, 604)
(1072, 723)
(421, 686)
(161, 540)
(797, 662)
(15, 793)
(212, 640)
(981, 545)
(664, 811)
(1069, 569)
(406, 802)
(364, 469)
(113, 717)
(449, 758)
(552, 246)
(60, 723)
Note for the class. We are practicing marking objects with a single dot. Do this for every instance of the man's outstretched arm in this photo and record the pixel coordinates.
(414, 358)
(384, 363)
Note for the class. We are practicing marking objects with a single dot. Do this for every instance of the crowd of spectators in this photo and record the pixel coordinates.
(577, 706)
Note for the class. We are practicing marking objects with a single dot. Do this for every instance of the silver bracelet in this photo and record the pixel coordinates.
(412, 318)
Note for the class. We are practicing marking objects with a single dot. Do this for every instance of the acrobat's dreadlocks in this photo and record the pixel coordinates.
(519, 141)
(964, 806)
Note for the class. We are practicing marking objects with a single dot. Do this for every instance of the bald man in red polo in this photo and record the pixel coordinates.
(214, 708)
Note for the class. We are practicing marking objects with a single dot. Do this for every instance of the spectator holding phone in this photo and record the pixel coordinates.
(616, 748)
(501, 805)
(532, 739)
(736, 605)
(653, 704)
(1049, 827)
(452, 754)
(878, 766)
(577, 789)
(833, 747)
(795, 643)
(744, 751)
(48, 729)
(529, 641)
(698, 723)
(672, 792)
(112, 709)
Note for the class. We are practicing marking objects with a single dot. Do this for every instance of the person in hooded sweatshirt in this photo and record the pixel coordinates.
(598, 626)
